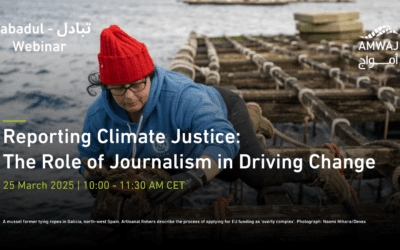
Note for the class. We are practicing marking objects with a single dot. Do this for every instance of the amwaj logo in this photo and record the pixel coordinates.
(380, 31)
(385, 44)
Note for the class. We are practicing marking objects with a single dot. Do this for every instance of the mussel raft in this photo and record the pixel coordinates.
(259, 2)
(293, 81)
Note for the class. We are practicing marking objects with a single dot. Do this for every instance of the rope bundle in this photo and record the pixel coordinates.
(336, 152)
(128, 197)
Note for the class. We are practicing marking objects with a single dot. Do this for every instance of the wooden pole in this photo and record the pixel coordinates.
(325, 94)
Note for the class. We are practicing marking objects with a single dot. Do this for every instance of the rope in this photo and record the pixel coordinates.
(255, 57)
(336, 121)
(318, 48)
(289, 139)
(140, 206)
(289, 79)
(344, 46)
(384, 78)
(335, 151)
(183, 64)
(184, 56)
(311, 117)
(219, 214)
(395, 179)
(331, 70)
(205, 71)
(389, 108)
(362, 78)
(301, 93)
(342, 51)
(393, 204)
(219, 207)
(274, 68)
(309, 111)
(213, 75)
(300, 58)
(339, 82)
(188, 48)
(266, 64)
(379, 93)
(331, 49)
(277, 83)
(214, 65)
(250, 55)
(385, 143)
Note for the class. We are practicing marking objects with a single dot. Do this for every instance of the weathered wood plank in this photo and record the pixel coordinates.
(326, 16)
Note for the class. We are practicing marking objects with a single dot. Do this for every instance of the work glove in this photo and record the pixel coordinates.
(261, 124)
(95, 175)
(193, 180)
(331, 181)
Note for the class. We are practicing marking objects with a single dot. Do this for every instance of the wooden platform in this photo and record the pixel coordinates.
(326, 16)
(259, 2)
(344, 26)
(291, 79)
(238, 2)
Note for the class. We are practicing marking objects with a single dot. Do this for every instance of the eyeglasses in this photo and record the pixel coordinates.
(134, 87)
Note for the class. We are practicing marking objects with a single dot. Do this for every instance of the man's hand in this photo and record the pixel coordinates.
(193, 180)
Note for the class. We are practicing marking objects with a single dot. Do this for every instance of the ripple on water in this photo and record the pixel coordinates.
(43, 71)
(38, 99)
(8, 72)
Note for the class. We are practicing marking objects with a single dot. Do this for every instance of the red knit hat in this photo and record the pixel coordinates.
(122, 59)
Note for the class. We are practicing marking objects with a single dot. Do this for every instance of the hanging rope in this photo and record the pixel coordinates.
(389, 107)
(335, 151)
(308, 117)
(384, 78)
(362, 78)
(393, 204)
(220, 215)
(333, 133)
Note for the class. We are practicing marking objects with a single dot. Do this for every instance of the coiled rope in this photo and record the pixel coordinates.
(335, 151)
(393, 205)
(140, 205)
(220, 215)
